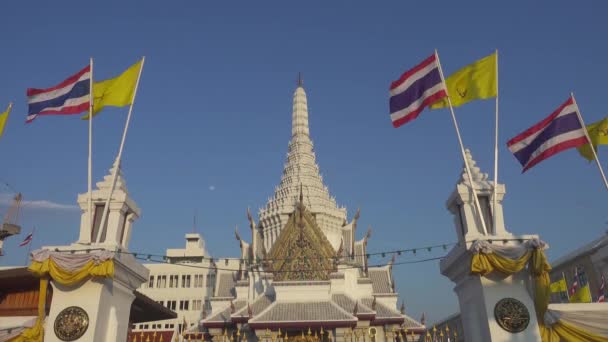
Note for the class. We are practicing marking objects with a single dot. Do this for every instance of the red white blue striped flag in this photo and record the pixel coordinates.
(558, 132)
(416, 89)
(27, 239)
(71, 96)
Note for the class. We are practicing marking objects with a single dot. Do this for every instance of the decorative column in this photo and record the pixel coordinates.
(489, 302)
(96, 306)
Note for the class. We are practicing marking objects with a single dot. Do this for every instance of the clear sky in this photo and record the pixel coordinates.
(212, 118)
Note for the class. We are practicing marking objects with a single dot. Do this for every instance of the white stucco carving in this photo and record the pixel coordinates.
(302, 170)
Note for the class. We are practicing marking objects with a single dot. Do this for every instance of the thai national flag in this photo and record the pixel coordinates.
(27, 239)
(71, 96)
(416, 89)
(556, 133)
(575, 284)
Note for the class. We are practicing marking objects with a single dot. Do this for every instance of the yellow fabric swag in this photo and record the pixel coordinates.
(485, 263)
(48, 266)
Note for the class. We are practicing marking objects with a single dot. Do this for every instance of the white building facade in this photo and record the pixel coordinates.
(183, 285)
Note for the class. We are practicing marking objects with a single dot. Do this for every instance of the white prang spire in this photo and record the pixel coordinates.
(302, 170)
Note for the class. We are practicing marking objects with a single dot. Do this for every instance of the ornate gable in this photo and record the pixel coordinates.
(302, 251)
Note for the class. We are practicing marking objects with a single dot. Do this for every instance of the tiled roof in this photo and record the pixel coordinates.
(382, 311)
(410, 323)
(346, 242)
(257, 306)
(303, 312)
(225, 285)
(359, 253)
(348, 304)
(380, 280)
(224, 315)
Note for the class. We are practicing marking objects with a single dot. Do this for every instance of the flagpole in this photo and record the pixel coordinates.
(597, 161)
(90, 173)
(464, 157)
(29, 247)
(119, 156)
(495, 200)
(566, 282)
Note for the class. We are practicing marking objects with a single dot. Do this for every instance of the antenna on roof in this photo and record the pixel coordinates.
(300, 80)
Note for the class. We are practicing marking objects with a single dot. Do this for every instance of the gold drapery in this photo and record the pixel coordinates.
(49, 269)
(485, 263)
(36, 332)
(64, 277)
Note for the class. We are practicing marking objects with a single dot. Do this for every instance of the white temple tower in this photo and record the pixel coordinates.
(479, 295)
(301, 170)
(105, 301)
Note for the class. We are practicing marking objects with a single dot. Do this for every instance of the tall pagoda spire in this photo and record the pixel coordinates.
(301, 174)
(299, 120)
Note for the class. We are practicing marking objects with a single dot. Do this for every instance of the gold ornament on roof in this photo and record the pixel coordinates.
(302, 251)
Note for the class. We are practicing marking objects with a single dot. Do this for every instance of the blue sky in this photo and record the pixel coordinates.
(214, 109)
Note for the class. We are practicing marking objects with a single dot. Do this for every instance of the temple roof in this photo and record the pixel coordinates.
(224, 316)
(323, 311)
(381, 282)
(259, 305)
(347, 303)
(302, 251)
(225, 285)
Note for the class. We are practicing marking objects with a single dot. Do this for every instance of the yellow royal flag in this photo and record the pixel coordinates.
(473, 82)
(559, 286)
(582, 295)
(4, 118)
(116, 92)
(598, 133)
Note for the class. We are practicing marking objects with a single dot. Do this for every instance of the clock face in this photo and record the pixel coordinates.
(512, 315)
(71, 323)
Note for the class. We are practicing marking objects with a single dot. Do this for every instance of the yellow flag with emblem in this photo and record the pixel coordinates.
(598, 133)
(559, 286)
(4, 118)
(473, 82)
(582, 295)
(116, 92)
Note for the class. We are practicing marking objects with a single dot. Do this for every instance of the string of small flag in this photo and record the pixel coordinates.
(393, 253)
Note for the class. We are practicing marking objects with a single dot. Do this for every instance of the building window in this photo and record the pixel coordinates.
(198, 280)
(186, 280)
(173, 280)
(161, 281)
(171, 304)
(151, 284)
(184, 304)
(197, 305)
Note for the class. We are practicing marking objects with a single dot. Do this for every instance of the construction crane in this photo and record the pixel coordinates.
(9, 224)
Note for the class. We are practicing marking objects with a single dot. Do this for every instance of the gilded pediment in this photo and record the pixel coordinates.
(302, 251)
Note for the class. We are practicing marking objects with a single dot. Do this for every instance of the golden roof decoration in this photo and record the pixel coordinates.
(302, 251)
